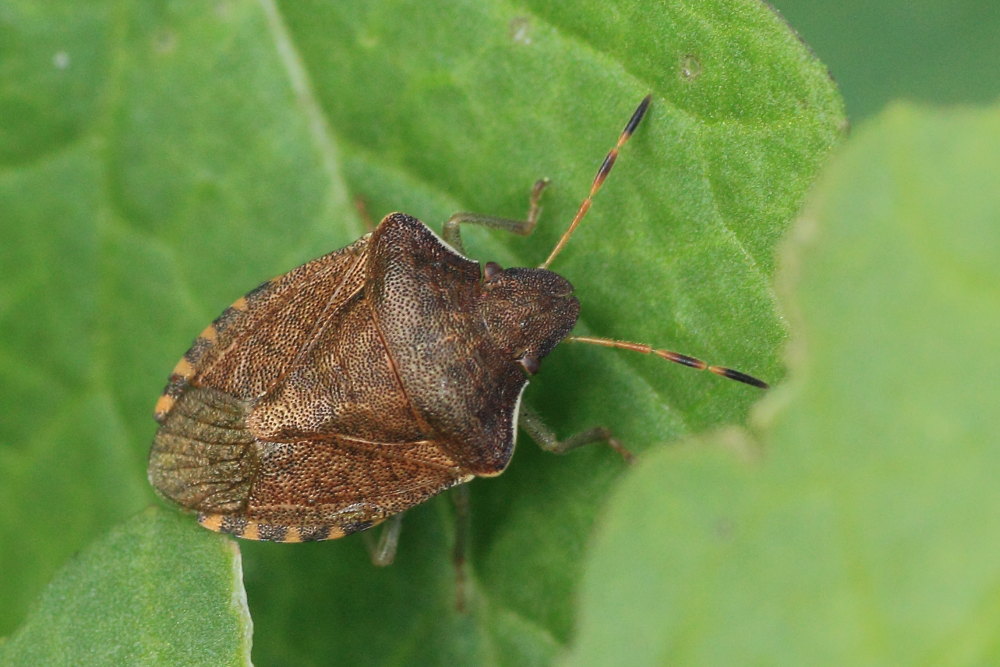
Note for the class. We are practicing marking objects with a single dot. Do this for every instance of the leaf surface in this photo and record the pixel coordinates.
(861, 525)
(155, 590)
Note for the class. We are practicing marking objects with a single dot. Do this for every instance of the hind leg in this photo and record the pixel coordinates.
(383, 552)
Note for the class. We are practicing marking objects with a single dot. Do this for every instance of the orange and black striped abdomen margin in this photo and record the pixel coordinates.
(249, 529)
(201, 350)
(250, 344)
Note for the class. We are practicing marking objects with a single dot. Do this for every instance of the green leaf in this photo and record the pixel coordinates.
(177, 154)
(156, 590)
(862, 526)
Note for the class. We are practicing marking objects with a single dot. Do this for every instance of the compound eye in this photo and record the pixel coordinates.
(491, 271)
(531, 363)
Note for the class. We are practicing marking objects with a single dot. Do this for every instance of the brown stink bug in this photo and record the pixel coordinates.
(368, 380)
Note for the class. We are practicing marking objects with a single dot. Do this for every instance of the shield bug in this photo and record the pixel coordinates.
(366, 381)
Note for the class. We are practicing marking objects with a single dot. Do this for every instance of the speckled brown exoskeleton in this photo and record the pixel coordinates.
(368, 380)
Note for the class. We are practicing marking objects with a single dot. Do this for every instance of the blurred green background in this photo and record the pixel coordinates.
(925, 50)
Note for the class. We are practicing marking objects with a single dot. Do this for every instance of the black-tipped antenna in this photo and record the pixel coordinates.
(676, 357)
(602, 173)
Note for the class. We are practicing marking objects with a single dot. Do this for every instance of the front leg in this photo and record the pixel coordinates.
(546, 438)
(452, 231)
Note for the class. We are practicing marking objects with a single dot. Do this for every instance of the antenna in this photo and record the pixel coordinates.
(676, 357)
(602, 173)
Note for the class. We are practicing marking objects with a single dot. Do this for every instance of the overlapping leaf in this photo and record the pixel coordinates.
(153, 591)
(862, 527)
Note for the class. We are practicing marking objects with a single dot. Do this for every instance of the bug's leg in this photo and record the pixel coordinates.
(452, 232)
(460, 497)
(547, 440)
(383, 552)
(362, 208)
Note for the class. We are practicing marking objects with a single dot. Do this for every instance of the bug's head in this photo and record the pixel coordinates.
(527, 311)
